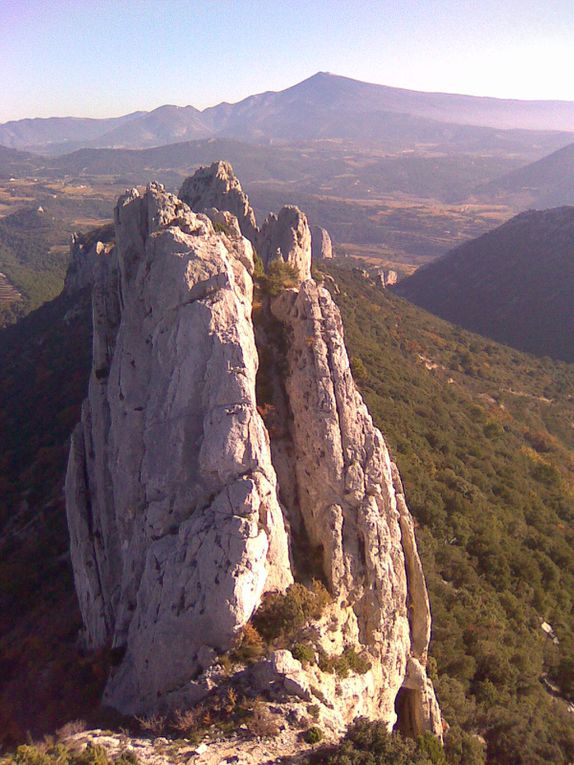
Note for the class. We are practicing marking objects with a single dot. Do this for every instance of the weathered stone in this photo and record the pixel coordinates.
(176, 531)
(352, 507)
(216, 186)
(321, 247)
(286, 236)
(84, 254)
(178, 525)
(281, 671)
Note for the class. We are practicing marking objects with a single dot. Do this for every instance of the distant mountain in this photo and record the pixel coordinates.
(322, 106)
(546, 183)
(165, 125)
(41, 134)
(332, 96)
(514, 284)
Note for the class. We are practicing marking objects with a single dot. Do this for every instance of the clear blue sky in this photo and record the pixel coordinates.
(108, 57)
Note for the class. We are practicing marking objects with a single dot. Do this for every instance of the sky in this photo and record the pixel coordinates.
(103, 58)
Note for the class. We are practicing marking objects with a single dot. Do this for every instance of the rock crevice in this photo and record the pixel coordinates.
(220, 457)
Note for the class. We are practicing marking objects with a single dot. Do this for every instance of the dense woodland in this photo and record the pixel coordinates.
(32, 259)
(483, 436)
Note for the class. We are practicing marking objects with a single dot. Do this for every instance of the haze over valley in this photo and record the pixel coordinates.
(398, 177)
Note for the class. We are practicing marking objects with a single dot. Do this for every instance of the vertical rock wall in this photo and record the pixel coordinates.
(177, 522)
(175, 526)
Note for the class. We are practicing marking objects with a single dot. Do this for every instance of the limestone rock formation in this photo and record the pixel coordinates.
(84, 252)
(321, 247)
(176, 531)
(186, 507)
(216, 186)
(286, 236)
(353, 511)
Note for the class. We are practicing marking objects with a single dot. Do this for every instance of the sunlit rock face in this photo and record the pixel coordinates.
(216, 186)
(321, 246)
(286, 237)
(175, 525)
(185, 507)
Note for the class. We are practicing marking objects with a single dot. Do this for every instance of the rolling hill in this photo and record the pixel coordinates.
(514, 284)
(545, 183)
(39, 134)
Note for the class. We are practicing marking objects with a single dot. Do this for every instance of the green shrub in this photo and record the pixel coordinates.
(280, 276)
(282, 615)
(313, 735)
(348, 661)
(359, 370)
(41, 754)
(464, 748)
(431, 746)
(259, 268)
(313, 710)
(304, 652)
(369, 743)
(220, 228)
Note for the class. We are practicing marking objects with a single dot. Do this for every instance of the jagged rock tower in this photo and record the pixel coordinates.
(186, 505)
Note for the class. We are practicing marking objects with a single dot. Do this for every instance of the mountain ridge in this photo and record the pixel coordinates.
(547, 182)
(513, 284)
(269, 115)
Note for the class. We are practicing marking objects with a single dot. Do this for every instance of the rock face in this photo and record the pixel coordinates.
(185, 507)
(321, 247)
(352, 508)
(84, 256)
(216, 186)
(287, 237)
(176, 530)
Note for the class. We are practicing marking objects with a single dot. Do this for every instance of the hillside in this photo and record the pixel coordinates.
(45, 361)
(39, 134)
(322, 106)
(16, 163)
(513, 284)
(545, 183)
(33, 260)
(484, 440)
(329, 168)
(483, 437)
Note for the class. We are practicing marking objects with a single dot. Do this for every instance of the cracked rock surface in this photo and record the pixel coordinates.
(176, 530)
(185, 508)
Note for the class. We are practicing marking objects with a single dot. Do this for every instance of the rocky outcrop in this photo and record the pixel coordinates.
(286, 237)
(353, 511)
(176, 530)
(84, 255)
(216, 186)
(186, 507)
(321, 247)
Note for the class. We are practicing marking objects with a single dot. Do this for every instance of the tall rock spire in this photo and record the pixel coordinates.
(217, 187)
(221, 457)
(175, 525)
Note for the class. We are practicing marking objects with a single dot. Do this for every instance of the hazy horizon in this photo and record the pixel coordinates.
(226, 100)
(98, 59)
